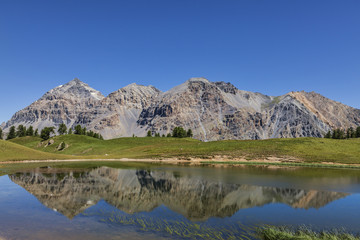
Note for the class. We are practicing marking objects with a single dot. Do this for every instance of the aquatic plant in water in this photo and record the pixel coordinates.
(180, 228)
(268, 232)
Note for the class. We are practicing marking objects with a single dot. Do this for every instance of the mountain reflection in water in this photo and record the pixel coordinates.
(131, 191)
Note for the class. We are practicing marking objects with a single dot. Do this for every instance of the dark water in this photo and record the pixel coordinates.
(162, 202)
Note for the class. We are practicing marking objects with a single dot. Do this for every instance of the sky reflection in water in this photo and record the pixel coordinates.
(113, 203)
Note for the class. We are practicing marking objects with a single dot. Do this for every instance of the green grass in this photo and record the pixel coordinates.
(310, 150)
(12, 151)
(303, 233)
(285, 164)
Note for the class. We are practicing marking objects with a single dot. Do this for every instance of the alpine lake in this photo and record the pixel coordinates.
(110, 200)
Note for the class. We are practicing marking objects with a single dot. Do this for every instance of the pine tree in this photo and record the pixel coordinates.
(45, 132)
(163, 135)
(168, 135)
(349, 132)
(11, 134)
(78, 130)
(36, 134)
(21, 131)
(149, 134)
(357, 133)
(179, 132)
(83, 132)
(1, 134)
(62, 129)
(328, 134)
(30, 131)
(70, 131)
(189, 133)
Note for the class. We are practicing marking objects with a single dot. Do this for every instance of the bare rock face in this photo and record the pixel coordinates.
(117, 114)
(217, 110)
(213, 110)
(62, 104)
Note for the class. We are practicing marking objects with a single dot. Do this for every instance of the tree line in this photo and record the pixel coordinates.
(177, 132)
(45, 133)
(343, 133)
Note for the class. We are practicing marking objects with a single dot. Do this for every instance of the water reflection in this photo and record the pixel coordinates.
(70, 192)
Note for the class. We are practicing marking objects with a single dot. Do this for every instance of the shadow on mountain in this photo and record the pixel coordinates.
(71, 192)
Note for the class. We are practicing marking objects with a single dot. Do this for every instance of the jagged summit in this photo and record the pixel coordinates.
(73, 89)
(198, 79)
(213, 110)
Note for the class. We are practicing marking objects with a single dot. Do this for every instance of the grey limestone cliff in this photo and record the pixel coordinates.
(213, 110)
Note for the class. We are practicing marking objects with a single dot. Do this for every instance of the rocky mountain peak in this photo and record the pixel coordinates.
(226, 87)
(198, 79)
(73, 89)
(213, 110)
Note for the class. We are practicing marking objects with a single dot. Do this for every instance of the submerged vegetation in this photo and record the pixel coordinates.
(303, 233)
(180, 228)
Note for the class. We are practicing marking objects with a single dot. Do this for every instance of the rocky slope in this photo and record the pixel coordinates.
(213, 110)
(139, 190)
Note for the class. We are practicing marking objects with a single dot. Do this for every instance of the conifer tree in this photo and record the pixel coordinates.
(149, 134)
(62, 129)
(328, 134)
(30, 131)
(1, 134)
(78, 130)
(12, 133)
(21, 131)
(36, 133)
(189, 133)
(179, 132)
(349, 132)
(70, 131)
(357, 133)
(45, 132)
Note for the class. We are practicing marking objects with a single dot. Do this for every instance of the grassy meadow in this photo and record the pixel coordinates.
(309, 150)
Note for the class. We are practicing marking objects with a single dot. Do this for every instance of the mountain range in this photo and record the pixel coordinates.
(213, 110)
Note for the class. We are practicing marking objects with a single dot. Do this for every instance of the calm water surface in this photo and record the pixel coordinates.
(134, 201)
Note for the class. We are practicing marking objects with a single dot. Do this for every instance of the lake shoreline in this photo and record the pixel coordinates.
(217, 161)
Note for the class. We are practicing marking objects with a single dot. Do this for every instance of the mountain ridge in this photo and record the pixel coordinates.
(213, 110)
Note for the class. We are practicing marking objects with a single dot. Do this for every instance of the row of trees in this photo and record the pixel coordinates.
(178, 132)
(343, 134)
(22, 131)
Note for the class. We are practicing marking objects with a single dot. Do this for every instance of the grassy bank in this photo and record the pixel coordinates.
(12, 151)
(309, 150)
(285, 164)
(285, 233)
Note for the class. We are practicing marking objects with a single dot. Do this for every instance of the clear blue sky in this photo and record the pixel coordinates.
(271, 47)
